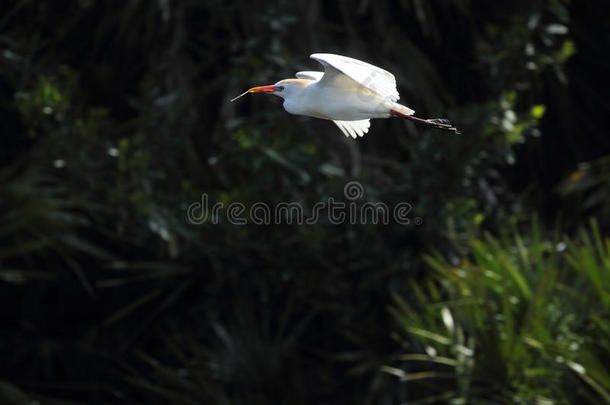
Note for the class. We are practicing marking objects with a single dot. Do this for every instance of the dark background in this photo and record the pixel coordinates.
(115, 117)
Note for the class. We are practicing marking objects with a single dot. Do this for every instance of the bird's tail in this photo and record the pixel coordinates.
(438, 123)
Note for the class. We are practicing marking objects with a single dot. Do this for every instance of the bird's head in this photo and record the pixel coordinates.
(284, 88)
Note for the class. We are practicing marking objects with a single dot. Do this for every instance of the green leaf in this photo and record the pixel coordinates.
(538, 111)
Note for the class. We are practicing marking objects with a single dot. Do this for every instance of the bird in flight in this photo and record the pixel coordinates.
(349, 92)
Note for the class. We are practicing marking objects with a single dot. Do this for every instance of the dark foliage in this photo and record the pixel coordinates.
(114, 121)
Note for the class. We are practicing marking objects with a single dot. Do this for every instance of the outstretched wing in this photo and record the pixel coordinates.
(310, 75)
(376, 79)
(353, 128)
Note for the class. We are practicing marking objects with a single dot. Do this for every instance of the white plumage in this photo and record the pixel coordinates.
(376, 79)
(310, 75)
(353, 128)
(349, 92)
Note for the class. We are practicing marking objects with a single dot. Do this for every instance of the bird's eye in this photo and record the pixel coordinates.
(281, 88)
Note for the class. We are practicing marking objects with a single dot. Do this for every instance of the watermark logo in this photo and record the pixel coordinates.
(355, 210)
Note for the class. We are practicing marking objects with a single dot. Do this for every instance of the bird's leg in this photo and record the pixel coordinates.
(438, 123)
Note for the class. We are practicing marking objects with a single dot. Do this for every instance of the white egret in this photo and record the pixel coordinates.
(349, 92)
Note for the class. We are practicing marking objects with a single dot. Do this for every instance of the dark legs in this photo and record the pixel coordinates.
(438, 123)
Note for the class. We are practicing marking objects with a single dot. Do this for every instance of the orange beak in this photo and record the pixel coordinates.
(264, 89)
(260, 89)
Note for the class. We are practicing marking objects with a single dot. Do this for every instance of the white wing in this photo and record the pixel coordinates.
(310, 75)
(376, 79)
(353, 128)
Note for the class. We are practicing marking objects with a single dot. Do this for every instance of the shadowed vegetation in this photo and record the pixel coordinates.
(115, 119)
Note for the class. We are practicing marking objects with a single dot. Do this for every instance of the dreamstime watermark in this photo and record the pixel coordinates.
(294, 213)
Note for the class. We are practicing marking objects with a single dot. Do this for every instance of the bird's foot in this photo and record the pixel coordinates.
(443, 123)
